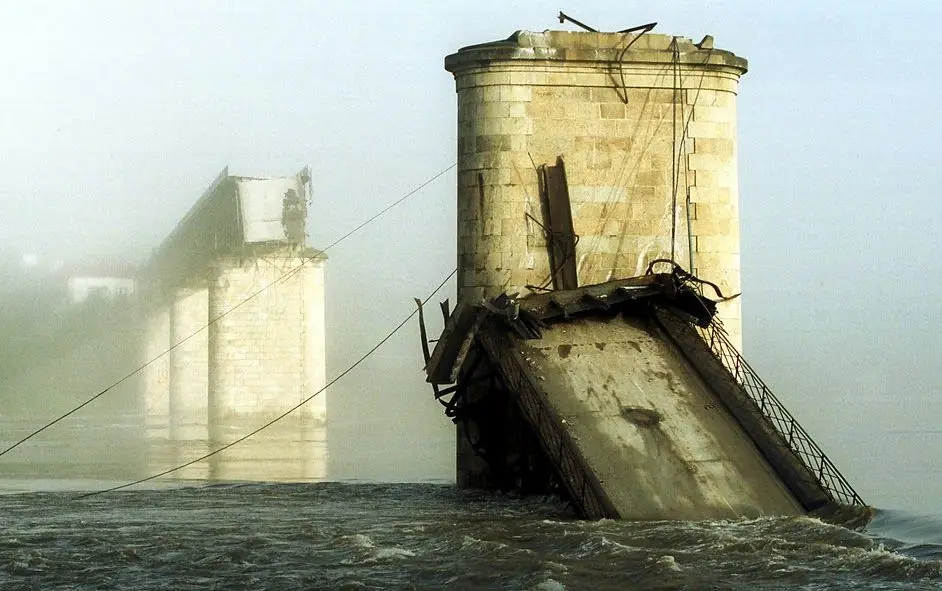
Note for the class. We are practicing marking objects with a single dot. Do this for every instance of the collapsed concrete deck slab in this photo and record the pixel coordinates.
(609, 394)
(657, 438)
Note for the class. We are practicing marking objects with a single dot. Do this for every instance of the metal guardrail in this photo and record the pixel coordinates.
(793, 435)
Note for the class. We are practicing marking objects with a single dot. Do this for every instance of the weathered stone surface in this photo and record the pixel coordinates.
(188, 363)
(155, 377)
(266, 352)
(638, 128)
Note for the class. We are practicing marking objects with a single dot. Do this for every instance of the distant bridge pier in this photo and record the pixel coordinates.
(155, 377)
(237, 298)
(188, 363)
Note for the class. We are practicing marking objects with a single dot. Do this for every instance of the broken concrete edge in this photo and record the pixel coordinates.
(599, 47)
(210, 194)
(454, 343)
(526, 315)
(216, 224)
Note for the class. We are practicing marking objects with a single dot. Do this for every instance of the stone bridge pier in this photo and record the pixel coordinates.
(187, 396)
(234, 329)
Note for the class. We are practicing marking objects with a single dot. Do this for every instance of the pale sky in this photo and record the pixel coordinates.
(117, 115)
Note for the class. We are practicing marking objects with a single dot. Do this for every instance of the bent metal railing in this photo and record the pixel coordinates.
(795, 437)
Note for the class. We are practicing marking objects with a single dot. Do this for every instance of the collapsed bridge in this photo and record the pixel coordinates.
(611, 395)
(584, 159)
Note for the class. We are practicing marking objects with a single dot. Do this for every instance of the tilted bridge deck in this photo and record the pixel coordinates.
(632, 400)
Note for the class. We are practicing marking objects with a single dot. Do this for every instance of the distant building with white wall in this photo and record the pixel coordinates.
(106, 282)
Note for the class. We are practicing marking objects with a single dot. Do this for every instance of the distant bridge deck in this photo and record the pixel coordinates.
(235, 215)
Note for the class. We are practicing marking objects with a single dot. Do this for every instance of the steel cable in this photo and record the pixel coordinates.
(282, 278)
(340, 376)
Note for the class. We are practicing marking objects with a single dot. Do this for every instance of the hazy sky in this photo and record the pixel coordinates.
(117, 115)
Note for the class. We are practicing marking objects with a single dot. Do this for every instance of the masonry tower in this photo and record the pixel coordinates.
(646, 127)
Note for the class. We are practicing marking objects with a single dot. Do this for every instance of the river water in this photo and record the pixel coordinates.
(187, 534)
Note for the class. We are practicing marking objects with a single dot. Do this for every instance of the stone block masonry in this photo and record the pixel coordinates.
(645, 126)
(188, 363)
(155, 377)
(266, 349)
